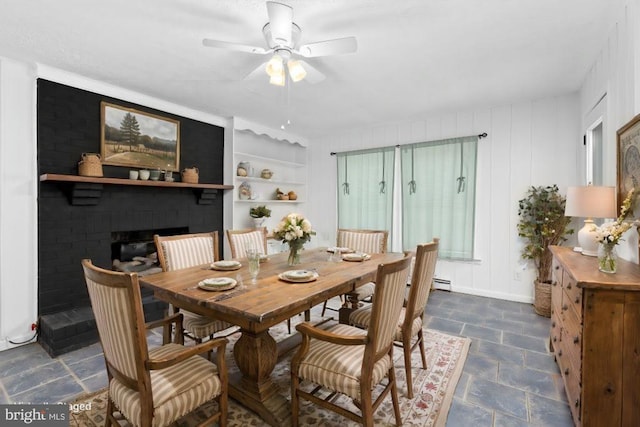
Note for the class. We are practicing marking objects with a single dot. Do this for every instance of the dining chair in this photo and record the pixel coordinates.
(188, 250)
(248, 238)
(411, 319)
(241, 240)
(367, 241)
(350, 361)
(150, 387)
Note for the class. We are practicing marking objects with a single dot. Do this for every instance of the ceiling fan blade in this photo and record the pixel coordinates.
(328, 47)
(280, 20)
(258, 73)
(313, 75)
(234, 46)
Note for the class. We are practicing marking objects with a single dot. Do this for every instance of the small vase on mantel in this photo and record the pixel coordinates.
(257, 222)
(607, 257)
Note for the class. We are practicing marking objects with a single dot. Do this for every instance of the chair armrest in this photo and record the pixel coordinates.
(174, 318)
(166, 324)
(324, 335)
(161, 363)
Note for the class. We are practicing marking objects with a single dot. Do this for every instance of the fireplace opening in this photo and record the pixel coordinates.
(135, 251)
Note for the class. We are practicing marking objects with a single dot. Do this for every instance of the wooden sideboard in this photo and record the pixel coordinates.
(595, 336)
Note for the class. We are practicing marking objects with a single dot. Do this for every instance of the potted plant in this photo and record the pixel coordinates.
(259, 213)
(542, 223)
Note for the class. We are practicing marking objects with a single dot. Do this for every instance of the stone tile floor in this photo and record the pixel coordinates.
(509, 378)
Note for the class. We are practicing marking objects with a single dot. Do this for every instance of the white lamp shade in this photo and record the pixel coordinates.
(296, 70)
(591, 202)
(278, 79)
(274, 66)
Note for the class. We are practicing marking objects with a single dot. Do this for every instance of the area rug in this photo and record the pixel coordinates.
(433, 391)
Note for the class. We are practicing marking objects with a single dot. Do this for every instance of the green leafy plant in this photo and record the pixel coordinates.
(542, 223)
(260, 212)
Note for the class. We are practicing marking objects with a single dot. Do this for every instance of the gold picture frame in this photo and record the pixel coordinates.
(133, 138)
(628, 166)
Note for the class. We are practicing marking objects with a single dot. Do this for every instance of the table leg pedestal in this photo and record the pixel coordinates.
(256, 356)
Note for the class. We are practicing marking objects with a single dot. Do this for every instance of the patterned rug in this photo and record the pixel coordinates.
(434, 388)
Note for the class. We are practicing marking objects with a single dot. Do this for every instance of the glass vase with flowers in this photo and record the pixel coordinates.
(295, 230)
(610, 234)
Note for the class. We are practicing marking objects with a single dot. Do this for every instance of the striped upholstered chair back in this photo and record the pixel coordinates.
(184, 251)
(187, 250)
(110, 293)
(241, 240)
(368, 241)
(423, 271)
(181, 381)
(391, 285)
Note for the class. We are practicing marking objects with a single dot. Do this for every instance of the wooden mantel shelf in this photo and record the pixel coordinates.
(87, 190)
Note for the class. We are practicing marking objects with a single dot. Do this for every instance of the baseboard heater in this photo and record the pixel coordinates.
(443, 284)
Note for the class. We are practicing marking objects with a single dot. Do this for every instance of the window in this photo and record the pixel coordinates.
(438, 195)
(365, 189)
(438, 180)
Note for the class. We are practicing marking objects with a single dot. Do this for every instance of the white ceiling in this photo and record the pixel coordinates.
(414, 57)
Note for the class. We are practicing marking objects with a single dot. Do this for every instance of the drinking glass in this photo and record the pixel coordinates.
(253, 259)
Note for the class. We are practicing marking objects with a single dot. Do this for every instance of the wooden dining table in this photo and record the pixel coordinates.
(255, 306)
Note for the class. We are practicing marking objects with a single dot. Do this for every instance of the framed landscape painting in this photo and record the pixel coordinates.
(137, 139)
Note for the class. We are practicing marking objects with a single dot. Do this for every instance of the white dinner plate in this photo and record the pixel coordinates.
(342, 250)
(357, 257)
(217, 284)
(226, 265)
(298, 276)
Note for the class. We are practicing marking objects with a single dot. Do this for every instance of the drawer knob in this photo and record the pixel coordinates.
(553, 324)
(577, 300)
(560, 352)
(566, 371)
(557, 267)
(555, 339)
(577, 403)
(576, 340)
(569, 286)
(565, 307)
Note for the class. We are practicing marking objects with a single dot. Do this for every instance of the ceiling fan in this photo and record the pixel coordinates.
(283, 40)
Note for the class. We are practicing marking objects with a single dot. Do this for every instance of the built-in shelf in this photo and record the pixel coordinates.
(270, 160)
(267, 181)
(87, 190)
(270, 201)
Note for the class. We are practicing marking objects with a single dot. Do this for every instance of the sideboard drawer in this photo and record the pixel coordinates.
(573, 293)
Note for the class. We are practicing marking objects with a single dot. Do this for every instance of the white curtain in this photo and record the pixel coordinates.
(365, 189)
(438, 195)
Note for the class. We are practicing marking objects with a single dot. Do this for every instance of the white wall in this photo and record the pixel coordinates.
(528, 143)
(614, 78)
(18, 211)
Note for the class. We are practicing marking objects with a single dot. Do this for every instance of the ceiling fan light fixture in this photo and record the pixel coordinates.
(278, 79)
(296, 70)
(275, 67)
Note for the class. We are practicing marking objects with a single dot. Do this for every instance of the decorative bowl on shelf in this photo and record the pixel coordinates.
(266, 174)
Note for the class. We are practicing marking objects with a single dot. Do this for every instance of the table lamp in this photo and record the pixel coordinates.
(590, 202)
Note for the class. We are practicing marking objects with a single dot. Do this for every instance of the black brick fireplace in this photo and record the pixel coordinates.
(68, 125)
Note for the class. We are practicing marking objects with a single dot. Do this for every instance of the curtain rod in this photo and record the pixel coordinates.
(480, 136)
